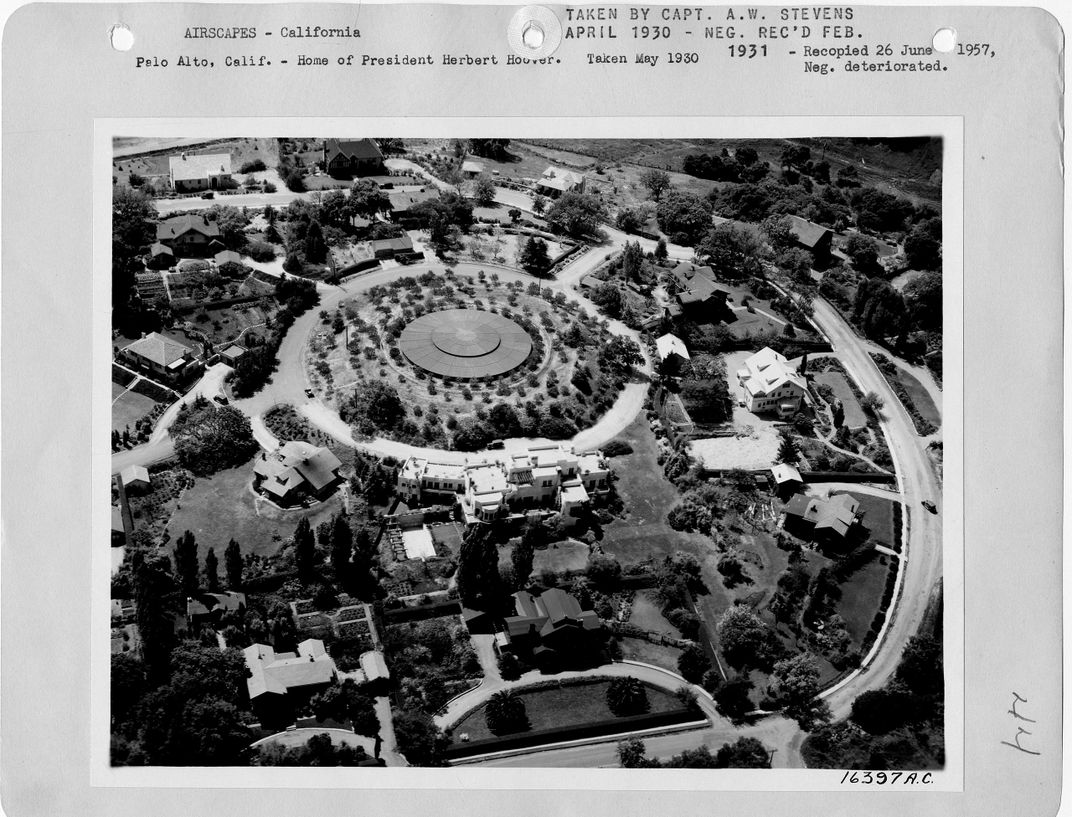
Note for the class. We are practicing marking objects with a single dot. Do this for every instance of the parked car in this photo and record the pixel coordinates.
(208, 195)
(308, 392)
(930, 506)
(496, 445)
(221, 399)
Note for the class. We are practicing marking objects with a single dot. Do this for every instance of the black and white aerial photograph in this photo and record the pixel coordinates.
(547, 453)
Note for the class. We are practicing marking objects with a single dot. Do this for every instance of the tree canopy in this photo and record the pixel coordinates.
(579, 215)
(209, 438)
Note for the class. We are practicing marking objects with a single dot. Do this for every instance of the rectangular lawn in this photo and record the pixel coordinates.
(854, 414)
(130, 408)
(860, 596)
(921, 399)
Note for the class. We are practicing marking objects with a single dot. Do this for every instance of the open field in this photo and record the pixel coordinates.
(661, 655)
(646, 614)
(224, 506)
(149, 157)
(878, 517)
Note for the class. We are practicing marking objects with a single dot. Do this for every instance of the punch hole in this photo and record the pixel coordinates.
(532, 35)
(944, 40)
(121, 37)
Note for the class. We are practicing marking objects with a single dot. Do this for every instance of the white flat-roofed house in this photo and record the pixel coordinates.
(595, 473)
(422, 481)
(770, 384)
(193, 173)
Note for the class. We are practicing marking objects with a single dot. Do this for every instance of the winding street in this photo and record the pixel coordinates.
(921, 553)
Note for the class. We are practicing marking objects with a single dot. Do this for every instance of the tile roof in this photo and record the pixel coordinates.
(177, 225)
(280, 672)
(361, 149)
(838, 513)
(186, 167)
(559, 179)
(295, 463)
(161, 350)
(398, 244)
(227, 256)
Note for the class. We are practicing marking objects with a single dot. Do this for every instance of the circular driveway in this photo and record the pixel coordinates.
(468, 344)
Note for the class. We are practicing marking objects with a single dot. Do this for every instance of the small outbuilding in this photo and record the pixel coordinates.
(135, 478)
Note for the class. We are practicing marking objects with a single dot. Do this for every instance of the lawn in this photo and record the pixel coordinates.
(558, 707)
(129, 408)
(920, 397)
(854, 414)
(561, 557)
(224, 506)
(878, 516)
(860, 596)
(661, 655)
(117, 390)
(645, 613)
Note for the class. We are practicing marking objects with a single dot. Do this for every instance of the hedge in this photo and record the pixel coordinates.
(924, 427)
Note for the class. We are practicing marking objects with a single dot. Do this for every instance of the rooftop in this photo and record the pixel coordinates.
(177, 225)
(807, 233)
(159, 349)
(352, 148)
(186, 167)
(669, 344)
(280, 672)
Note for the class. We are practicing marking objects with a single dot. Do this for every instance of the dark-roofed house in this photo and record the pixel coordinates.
(296, 471)
(227, 257)
(352, 157)
(231, 354)
(830, 521)
(160, 256)
(161, 356)
(551, 626)
(209, 607)
(190, 235)
(280, 683)
(697, 291)
(404, 202)
(811, 236)
(390, 247)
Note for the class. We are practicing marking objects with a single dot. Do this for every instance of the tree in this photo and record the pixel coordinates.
(490, 148)
(684, 216)
(746, 753)
(186, 563)
(745, 639)
(693, 663)
(660, 250)
(631, 754)
(314, 246)
(505, 713)
(871, 403)
(539, 204)
(632, 261)
(796, 683)
(921, 665)
(620, 354)
(419, 739)
(374, 406)
(522, 558)
(232, 560)
(657, 182)
(732, 699)
(504, 420)
(787, 450)
(127, 682)
(734, 252)
(627, 696)
(305, 551)
(576, 214)
(746, 156)
(154, 593)
(484, 190)
(923, 299)
(923, 245)
(479, 584)
(342, 549)
(605, 572)
(862, 251)
(209, 438)
(534, 258)
(367, 199)
(879, 309)
(472, 435)
(212, 573)
(608, 297)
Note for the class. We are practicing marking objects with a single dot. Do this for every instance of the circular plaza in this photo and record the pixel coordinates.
(465, 344)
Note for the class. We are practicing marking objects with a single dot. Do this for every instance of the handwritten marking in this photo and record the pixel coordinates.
(1020, 731)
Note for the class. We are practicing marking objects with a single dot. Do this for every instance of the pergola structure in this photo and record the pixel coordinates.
(466, 344)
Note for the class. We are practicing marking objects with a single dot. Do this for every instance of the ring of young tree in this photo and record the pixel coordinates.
(467, 344)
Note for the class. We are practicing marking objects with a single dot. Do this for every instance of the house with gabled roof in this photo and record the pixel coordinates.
(810, 236)
(295, 471)
(673, 354)
(555, 181)
(162, 357)
(280, 683)
(352, 157)
(551, 625)
(190, 235)
(832, 520)
(771, 384)
(191, 172)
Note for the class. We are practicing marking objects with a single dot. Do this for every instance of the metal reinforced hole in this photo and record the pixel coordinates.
(532, 35)
(121, 37)
(945, 40)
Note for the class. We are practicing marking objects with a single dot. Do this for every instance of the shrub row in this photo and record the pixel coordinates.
(924, 427)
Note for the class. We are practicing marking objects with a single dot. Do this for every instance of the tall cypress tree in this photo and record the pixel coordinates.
(212, 572)
(342, 548)
(186, 563)
(305, 551)
(232, 559)
(154, 589)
